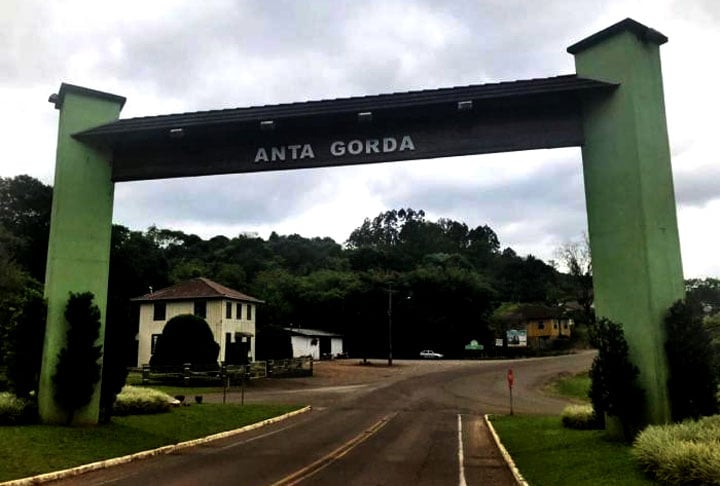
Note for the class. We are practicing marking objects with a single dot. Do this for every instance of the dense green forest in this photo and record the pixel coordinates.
(445, 279)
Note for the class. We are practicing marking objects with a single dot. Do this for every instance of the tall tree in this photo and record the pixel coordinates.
(25, 205)
(383, 232)
(575, 256)
(526, 279)
(705, 291)
(483, 246)
(302, 255)
(24, 333)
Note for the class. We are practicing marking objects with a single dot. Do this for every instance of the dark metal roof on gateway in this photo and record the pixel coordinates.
(641, 31)
(410, 99)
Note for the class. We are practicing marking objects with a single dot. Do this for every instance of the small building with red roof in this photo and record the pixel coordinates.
(229, 313)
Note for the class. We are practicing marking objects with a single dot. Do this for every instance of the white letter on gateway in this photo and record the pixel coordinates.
(406, 143)
(307, 152)
(261, 155)
(389, 144)
(337, 148)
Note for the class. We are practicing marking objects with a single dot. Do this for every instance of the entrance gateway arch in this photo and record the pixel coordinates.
(613, 108)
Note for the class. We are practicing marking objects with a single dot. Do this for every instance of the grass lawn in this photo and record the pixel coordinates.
(35, 449)
(213, 386)
(575, 387)
(549, 454)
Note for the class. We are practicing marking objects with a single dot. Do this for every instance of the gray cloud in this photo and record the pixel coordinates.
(248, 199)
(186, 55)
(697, 188)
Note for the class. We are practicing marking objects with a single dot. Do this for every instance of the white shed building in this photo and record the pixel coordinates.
(315, 343)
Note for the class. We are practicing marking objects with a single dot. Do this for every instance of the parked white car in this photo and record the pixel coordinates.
(430, 354)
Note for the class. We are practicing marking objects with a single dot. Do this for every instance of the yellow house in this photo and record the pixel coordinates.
(548, 327)
(229, 313)
(542, 324)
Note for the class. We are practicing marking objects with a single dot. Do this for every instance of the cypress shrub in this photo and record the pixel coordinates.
(693, 381)
(613, 388)
(78, 368)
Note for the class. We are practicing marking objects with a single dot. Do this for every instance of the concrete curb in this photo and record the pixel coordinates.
(508, 459)
(116, 461)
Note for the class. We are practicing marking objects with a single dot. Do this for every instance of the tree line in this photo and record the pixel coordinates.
(444, 278)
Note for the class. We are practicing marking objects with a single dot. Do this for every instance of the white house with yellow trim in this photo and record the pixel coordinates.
(229, 313)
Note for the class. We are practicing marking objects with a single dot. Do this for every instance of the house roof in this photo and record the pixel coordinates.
(310, 332)
(196, 288)
(529, 312)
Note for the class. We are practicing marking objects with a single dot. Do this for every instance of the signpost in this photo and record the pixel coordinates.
(510, 381)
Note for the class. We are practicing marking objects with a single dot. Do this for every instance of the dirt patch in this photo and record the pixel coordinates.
(354, 372)
(344, 372)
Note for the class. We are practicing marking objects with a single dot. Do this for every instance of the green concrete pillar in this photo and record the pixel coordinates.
(632, 220)
(79, 245)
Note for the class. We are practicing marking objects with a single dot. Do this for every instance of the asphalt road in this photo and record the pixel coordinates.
(419, 428)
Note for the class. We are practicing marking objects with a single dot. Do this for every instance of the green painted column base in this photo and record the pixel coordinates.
(632, 223)
(79, 245)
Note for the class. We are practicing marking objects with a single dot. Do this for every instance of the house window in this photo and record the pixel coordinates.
(565, 325)
(238, 311)
(200, 308)
(159, 311)
(153, 342)
(541, 325)
(555, 326)
(249, 312)
(228, 310)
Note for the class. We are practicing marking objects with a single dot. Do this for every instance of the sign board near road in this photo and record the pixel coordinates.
(474, 346)
(516, 338)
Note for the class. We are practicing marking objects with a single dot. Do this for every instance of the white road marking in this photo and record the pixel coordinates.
(461, 458)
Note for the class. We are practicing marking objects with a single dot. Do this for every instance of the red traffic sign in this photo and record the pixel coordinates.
(510, 377)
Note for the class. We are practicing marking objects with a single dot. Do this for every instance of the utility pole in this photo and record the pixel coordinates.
(390, 292)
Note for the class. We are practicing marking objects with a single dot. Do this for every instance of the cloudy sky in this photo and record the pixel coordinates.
(179, 56)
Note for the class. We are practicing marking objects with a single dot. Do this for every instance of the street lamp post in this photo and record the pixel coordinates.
(390, 292)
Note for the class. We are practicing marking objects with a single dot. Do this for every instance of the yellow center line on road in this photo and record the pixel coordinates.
(461, 455)
(333, 456)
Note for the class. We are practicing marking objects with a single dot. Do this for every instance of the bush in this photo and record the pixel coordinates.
(24, 341)
(15, 411)
(135, 400)
(613, 388)
(119, 343)
(693, 381)
(186, 339)
(580, 417)
(685, 453)
(22, 328)
(78, 368)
